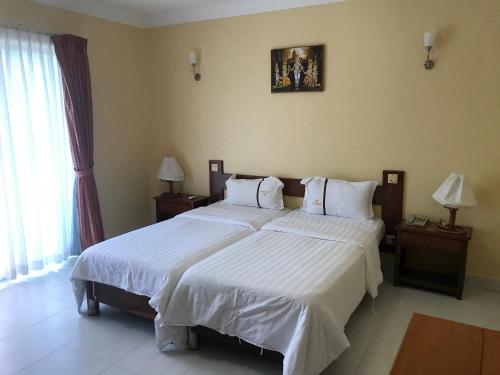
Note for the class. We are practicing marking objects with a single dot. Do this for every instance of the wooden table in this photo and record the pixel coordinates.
(439, 346)
(170, 205)
(430, 258)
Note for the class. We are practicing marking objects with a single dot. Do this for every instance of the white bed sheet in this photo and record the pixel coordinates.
(365, 234)
(150, 261)
(282, 290)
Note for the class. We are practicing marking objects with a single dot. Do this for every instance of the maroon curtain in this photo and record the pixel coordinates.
(71, 52)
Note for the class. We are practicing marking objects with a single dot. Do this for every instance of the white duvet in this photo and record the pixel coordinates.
(290, 287)
(150, 261)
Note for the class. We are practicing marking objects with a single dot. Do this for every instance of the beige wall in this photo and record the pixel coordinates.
(380, 109)
(121, 123)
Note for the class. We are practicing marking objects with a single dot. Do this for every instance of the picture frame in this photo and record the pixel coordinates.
(297, 69)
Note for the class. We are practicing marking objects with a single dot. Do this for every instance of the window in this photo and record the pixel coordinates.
(37, 205)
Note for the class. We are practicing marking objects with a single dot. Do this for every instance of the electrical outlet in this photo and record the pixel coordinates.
(392, 178)
(214, 167)
(390, 239)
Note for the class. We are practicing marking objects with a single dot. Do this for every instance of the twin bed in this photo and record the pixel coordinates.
(282, 280)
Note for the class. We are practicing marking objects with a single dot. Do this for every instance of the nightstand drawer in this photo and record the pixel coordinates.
(170, 208)
(415, 240)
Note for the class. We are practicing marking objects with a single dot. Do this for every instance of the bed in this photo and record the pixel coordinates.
(137, 271)
(290, 287)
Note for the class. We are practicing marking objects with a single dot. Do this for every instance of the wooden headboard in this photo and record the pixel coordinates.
(389, 195)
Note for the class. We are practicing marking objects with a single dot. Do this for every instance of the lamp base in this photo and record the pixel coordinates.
(171, 191)
(170, 194)
(456, 229)
(451, 227)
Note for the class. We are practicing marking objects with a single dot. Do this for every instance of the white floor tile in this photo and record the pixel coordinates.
(347, 363)
(22, 349)
(38, 318)
(7, 329)
(244, 369)
(66, 361)
(374, 364)
(390, 332)
(118, 370)
(147, 360)
(32, 310)
(359, 330)
(44, 282)
(111, 342)
(63, 292)
(481, 309)
(240, 360)
(13, 294)
(67, 326)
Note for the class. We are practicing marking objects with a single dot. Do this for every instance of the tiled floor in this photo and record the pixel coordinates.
(41, 333)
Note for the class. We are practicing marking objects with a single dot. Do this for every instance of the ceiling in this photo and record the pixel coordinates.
(152, 13)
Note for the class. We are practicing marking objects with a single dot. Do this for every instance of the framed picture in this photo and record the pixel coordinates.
(296, 69)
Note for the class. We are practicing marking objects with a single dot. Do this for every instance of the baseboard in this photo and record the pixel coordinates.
(485, 283)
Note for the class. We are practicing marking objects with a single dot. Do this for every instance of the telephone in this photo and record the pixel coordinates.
(417, 221)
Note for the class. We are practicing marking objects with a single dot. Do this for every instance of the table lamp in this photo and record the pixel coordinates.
(455, 192)
(170, 171)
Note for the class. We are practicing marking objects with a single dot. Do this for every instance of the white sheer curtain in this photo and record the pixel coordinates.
(37, 210)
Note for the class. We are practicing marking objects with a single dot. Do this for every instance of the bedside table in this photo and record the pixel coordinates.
(429, 258)
(167, 206)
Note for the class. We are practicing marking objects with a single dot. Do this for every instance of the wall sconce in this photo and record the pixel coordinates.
(193, 60)
(428, 43)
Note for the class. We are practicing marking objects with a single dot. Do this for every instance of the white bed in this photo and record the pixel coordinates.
(150, 261)
(290, 287)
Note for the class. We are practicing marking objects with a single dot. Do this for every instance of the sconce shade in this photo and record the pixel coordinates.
(429, 39)
(170, 170)
(193, 59)
(455, 192)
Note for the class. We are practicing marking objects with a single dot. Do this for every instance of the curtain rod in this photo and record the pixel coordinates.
(20, 27)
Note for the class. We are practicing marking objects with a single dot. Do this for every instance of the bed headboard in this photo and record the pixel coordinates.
(389, 195)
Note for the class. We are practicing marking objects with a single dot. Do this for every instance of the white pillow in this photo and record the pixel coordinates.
(263, 192)
(352, 200)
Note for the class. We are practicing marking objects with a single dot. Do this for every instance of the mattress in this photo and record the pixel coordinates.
(290, 287)
(149, 261)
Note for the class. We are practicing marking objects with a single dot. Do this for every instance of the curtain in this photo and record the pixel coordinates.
(37, 179)
(71, 52)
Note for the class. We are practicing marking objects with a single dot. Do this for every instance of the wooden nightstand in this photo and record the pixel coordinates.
(167, 206)
(429, 258)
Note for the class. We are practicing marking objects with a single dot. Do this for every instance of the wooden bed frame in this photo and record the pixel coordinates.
(389, 195)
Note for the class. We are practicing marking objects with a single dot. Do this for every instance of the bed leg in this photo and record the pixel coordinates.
(92, 307)
(192, 339)
(92, 303)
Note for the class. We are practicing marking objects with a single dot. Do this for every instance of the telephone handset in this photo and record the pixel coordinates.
(418, 221)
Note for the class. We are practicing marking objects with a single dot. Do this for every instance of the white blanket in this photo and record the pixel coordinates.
(150, 261)
(365, 234)
(283, 291)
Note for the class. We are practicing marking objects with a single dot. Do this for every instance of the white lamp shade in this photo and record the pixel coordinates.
(193, 59)
(429, 39)
(170, 170)
(455, 192)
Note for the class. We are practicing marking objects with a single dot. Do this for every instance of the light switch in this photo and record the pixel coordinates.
(392, 178)
(214, 167)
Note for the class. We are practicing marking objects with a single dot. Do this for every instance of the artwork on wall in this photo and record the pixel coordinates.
(297, 69)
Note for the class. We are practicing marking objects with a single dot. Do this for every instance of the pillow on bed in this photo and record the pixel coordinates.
(352, 200)
(263, 192)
